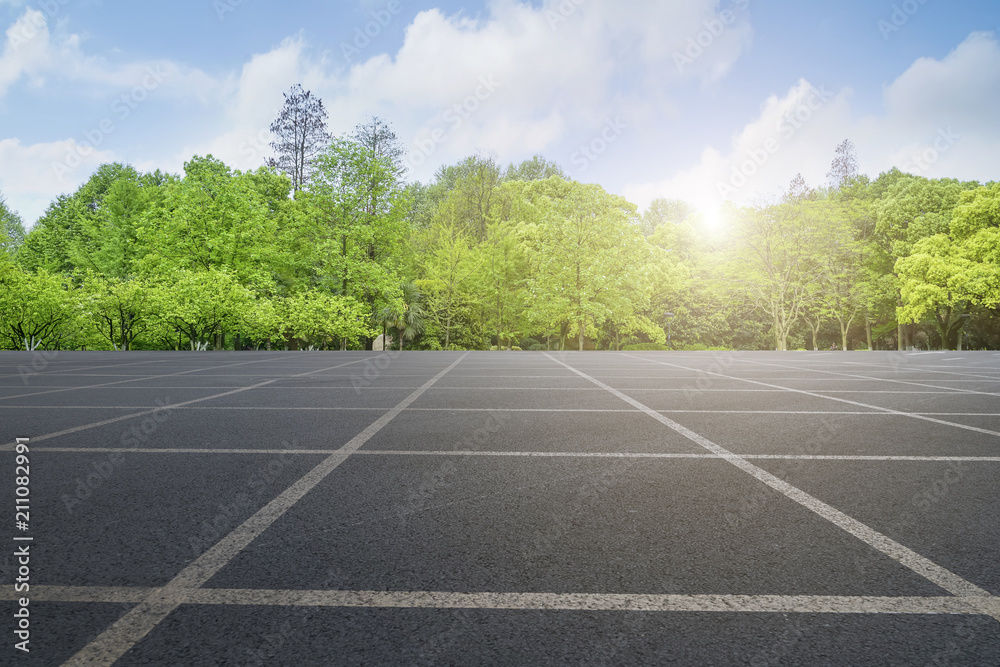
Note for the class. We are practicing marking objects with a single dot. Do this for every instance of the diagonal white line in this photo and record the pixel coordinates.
(134, 379)
(132, 415)
(940, 576)
(913, 415)
(134, 625)
(949, 390)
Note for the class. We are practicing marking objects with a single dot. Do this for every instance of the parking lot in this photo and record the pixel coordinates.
(505, 507)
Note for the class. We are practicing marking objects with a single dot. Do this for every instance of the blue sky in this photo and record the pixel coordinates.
(701, 100)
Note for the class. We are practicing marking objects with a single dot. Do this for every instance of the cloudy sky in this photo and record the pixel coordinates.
(700, 99)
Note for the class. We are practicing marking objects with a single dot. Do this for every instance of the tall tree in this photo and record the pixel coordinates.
(11, 230)
(300, 131)
(380, 140)
(844, 167)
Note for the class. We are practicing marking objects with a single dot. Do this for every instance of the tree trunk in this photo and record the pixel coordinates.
(581, 334)
(868, 333)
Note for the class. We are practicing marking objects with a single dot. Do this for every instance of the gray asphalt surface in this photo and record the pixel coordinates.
(505, 508)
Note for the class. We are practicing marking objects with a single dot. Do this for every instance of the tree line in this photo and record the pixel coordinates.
(327, 247)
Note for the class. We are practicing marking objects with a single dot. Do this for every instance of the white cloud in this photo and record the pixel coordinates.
(32, 176)
(31, 50)
(515, 81)
(939, 121)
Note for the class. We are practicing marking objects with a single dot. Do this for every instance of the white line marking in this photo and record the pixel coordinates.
(539, 454)
(809, 604)
(914, 415)
(116, 640)
(928, 569)
(133, 415)
(333, 408)
(947, 390)
(135, 379)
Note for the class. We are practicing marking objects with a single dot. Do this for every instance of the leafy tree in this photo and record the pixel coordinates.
(200, 306)
(119, 310)
(448, 266)
(216, 219)
(947, 274)
(776, 264)
(537, 168)
(360, 212)
(322, 320)
(300, 135)
(11, 230)
(587, 255)
(37, 310)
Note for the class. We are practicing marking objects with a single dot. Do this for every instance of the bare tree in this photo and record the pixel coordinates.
(798, 190)
(844, 166)
(300, 131)
(381, 142)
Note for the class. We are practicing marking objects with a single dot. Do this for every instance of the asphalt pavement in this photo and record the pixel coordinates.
(500, 508)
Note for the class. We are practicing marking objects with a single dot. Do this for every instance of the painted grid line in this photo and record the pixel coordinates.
(812, 604)
(527, 454)
(160, 602)
(914, 415)
(166, 407)
(931, 571)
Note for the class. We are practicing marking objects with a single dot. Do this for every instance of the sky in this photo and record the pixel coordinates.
(698, 100)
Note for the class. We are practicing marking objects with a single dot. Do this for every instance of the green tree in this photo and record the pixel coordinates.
(588, 257)
(119, 310)
(37, 310)
(11, 230)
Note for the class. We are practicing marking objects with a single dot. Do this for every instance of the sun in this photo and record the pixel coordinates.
(710, 212)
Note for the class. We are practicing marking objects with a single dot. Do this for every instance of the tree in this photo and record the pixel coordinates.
(775, 262)
(406, 317)
(447, 266)
(947, 274)
(216, 219)
(664, 212)
(322, 319)
(910, 208)
(360, 211)
(11, 230)
(300, 131)
(200, 306)
(37, 310)
(588, 257)
(119, 310)
(535, 169)
(378, 138)
(844, 167)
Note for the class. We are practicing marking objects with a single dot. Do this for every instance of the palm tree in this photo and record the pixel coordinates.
(408, 321)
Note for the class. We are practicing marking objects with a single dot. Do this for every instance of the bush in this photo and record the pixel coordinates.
(645, 347)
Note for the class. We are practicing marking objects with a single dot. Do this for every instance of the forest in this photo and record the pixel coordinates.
(327, 246)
